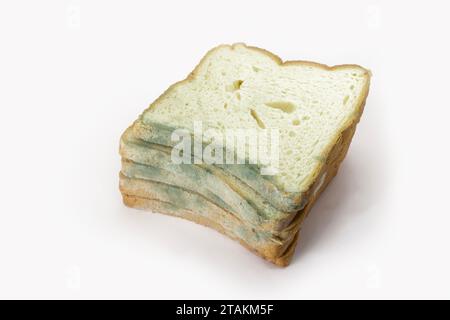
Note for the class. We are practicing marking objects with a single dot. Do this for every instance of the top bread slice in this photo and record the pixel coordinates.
(241, 87)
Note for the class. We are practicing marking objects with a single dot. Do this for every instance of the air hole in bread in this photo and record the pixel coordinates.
(258, 120)
(236, 85)
(256, 69)
(295, 122)
(284, 106)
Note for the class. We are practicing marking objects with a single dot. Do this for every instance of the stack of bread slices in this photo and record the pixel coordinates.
(310, 112)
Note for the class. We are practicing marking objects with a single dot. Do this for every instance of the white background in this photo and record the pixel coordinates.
(75, 74)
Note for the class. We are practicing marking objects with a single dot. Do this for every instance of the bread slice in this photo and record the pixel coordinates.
(315, 109)
(309, 103)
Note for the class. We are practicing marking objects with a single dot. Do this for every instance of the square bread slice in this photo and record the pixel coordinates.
(313, 107)
(309, 103)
